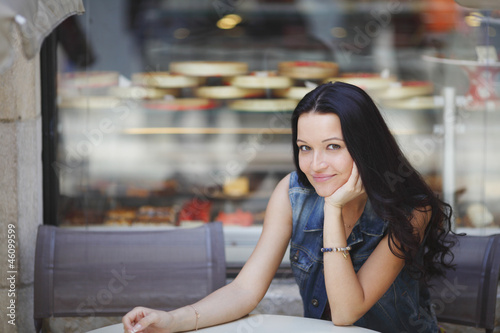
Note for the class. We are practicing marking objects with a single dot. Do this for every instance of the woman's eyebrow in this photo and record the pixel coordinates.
(333, 138)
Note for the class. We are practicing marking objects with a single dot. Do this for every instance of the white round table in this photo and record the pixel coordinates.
(262, 323)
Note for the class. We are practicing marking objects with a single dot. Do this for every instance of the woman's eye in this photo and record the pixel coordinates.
(333, 146)
(304, 148)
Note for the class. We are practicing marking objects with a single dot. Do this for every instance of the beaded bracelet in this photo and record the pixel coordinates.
(344, 250)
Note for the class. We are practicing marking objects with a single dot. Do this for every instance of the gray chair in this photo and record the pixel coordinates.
(107, 273)
(467, 296)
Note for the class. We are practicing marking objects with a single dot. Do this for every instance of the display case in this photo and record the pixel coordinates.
(176, 113)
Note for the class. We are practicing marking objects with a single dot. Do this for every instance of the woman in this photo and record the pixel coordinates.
(365, 231)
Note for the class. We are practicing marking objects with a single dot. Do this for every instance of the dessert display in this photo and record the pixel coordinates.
(406, 89)
(142, 92)
(262, 80)
(238, 218)
(236, 187)
(120, 216)
(164, 80)
(209, 68)
(181, 104)
(296, 93)
(195, 210)
(88, 102)
(207, 86)
(156, 215)
(263, 105)
(308, 70)
(371, 82)
(97, 79)
(228, 92)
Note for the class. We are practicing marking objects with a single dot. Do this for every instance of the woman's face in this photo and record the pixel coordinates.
(323, 155)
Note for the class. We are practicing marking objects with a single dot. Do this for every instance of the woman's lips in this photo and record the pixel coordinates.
(322, 178)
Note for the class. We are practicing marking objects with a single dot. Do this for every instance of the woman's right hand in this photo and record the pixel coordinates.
(147, 321)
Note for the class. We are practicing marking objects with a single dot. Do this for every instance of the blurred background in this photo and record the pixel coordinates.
(174, 113)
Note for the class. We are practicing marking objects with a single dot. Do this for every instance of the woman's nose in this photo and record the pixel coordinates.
(318, 162)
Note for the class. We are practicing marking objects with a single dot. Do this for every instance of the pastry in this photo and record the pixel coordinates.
(293, 92)
(261, 80)
(236, 187)
(120, 216)
(239, 218)
(209, 68)
(181, 104)
(151, 214)
(263, 105)
(407, 89)
(89, 102)
(308, 70)
(91, 79)
(164, 80)
(142, 92)
(228, 92)
(195, 210)
(371, 82)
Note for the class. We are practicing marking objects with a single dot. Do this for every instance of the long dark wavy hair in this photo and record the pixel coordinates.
(392, 185)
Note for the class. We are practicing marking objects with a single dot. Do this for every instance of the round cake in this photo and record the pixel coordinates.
(209, 68)
(366, 81)
(142, 92)
(399, 90)
(292, 92)
(228, 92)
(262, 80)
(91, 79)
(181, 104)
(88, 102)
(263, 105)
(308, 70)
(164, 80)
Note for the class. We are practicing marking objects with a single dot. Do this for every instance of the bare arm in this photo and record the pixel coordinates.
(351, 295)
(241, 296)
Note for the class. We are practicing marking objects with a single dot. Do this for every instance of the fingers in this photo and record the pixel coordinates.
(137, 320)
(145, 322)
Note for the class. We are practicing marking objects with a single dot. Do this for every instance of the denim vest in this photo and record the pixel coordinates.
(403, 308)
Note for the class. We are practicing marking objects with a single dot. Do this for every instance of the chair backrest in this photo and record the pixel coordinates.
(107, 273)
(467, 295)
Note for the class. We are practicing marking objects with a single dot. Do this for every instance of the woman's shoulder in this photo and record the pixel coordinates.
(289, 184)
(295, 185)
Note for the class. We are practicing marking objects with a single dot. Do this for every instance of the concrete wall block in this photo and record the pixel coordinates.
(8, 192)
(20, 86)
(29, 180)
(24, 320)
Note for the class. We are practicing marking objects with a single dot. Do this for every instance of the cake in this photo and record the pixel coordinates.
(209, 68)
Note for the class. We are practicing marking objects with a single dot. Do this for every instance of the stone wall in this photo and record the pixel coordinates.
(20, 188)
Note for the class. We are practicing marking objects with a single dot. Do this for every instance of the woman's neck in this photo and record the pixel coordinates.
(353, 210)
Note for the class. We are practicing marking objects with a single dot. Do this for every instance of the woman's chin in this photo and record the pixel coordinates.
(323, 192)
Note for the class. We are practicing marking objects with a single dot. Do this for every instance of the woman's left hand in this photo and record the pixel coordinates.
(347, 192)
